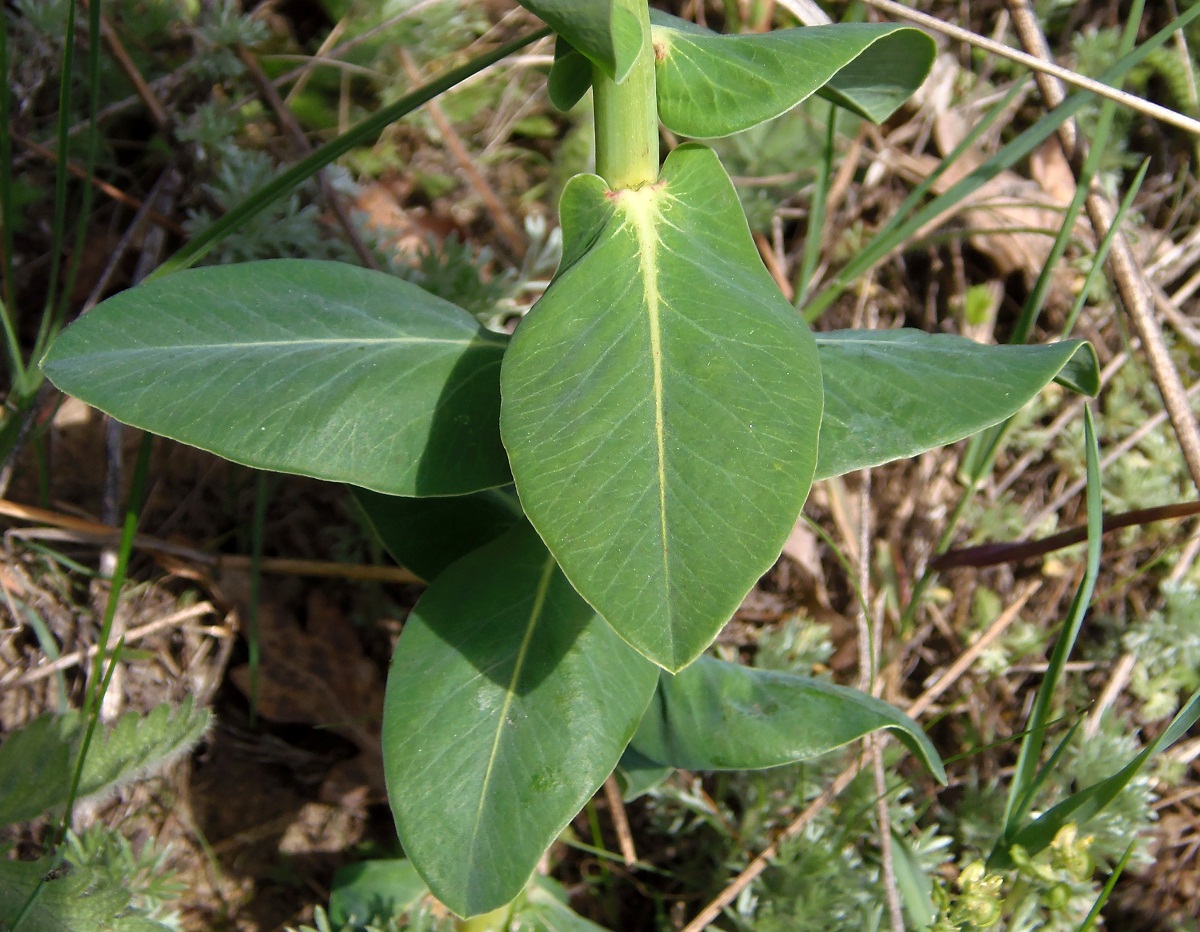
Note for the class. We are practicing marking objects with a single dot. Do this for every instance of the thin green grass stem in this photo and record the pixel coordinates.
(98, 684)
(815, 236)
(133, 508)
(51, 323)
(6, 192)
(366, 130)
(65, 78)
(981, 465)
(48, 645)
(1091, 165)
(885, 239)
(1102, 249)
(12, 347)
(1089, 921)
(262, 495)
(1025, 777)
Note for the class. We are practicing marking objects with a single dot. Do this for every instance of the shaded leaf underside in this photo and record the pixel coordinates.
(722, 716)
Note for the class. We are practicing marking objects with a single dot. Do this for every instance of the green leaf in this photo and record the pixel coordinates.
(317, 368)
(723, 716)
(609, 32)
(570, 76)
(77, 899)
(637, 775)
(544, 908)
(37, 760)
(508, 703)
(374, 891)
(661, 407)
(426, 535)
(896, 393)
(35, 766)
(714, 85)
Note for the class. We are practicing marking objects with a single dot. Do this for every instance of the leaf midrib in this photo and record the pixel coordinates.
(535, 613)
(641, 215)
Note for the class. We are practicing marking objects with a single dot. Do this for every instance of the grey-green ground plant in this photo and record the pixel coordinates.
(88, 886)
(591, 498)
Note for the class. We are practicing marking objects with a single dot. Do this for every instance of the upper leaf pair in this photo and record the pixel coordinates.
(711, 85)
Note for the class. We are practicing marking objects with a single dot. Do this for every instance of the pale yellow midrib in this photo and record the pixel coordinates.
(535, 613)
(642, 217)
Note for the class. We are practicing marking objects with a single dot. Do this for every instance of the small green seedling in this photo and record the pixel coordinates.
(591, 499)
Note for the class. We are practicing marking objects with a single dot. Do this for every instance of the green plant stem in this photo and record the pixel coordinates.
(52, 322)
(627, 120)
(815, 236)
(6, 192)
(66, 73)
(495, 921)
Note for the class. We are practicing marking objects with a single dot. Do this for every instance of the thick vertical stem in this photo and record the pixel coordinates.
(627, 120)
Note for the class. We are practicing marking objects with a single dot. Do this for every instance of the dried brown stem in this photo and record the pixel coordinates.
(81, 530)
(1013, 552)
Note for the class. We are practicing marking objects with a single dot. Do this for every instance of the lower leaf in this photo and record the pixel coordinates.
(722, 716)
(509, 701)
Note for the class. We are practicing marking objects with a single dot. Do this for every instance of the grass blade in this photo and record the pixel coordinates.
(65, 77)
(892, 237)
(1089, 921)
(815, 236)
(1025, 777)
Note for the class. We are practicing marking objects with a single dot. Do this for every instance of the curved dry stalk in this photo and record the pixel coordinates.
(1132, 283)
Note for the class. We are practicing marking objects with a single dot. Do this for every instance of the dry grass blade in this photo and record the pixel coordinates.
(1130, 279)
(1041, 66)
(131, 636)
(78, 529)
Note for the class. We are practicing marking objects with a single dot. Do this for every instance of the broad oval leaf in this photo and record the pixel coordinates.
(661, 405)
(896, 393)
(316, 368)
(609, 32)
(723, 716)
(426, 535)
(509, 701)
(713, 85)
